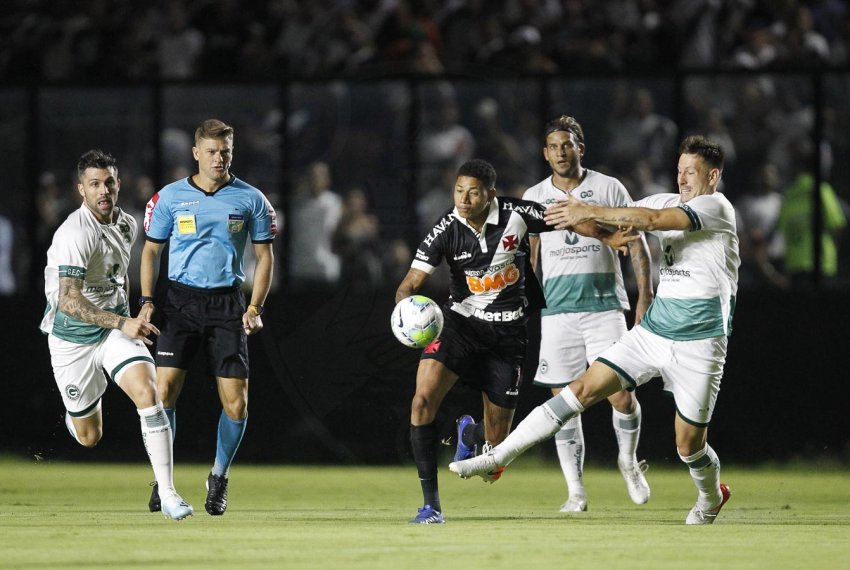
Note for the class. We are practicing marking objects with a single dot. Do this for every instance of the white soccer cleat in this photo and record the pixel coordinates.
(698, 515)
(635, 480)
(175, 508)
(575, 504)
(483, 465)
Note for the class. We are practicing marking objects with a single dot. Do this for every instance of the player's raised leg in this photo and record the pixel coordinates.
(544, 421)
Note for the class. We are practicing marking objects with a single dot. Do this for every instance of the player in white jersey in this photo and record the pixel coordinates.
(682, 337)
(88, 325)
(585, 301)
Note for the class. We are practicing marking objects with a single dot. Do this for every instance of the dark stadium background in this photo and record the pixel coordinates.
(329, 384)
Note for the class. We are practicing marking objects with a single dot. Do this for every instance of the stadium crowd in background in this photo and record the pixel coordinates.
(758, 119)
(173, 39)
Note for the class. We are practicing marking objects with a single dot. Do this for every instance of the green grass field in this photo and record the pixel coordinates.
(86, 515)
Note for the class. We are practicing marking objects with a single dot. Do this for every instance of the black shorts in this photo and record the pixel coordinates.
(486, 356)
(191, 318)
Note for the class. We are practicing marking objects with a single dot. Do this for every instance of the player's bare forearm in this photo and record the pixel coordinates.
(147, 268)
(263, 272)
(572, 212)
(642, 266)
(73, 304)
(534, 251)
(411, 283)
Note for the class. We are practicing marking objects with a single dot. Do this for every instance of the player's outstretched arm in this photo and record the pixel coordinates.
(411, 284)
(74, 304)
(572, 212)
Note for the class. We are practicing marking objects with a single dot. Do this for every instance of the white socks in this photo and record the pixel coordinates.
(627, 430)
(156, 433)
(705, 471)
(569, 443)
(542, 423)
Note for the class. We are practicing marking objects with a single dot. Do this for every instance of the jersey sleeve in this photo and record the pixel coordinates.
(532, 213)
(158, 222)
(263, 226)
(73, 252)
(708, 212)
(431, 250)
(618, 196)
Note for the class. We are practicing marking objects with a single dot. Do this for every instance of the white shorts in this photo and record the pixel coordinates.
(690, 369)
(78, 368)
(570, 341)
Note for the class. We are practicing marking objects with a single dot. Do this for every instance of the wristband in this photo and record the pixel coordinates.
(258, 309)
(144, 299)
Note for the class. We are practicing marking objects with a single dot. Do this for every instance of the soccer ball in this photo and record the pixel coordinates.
(416, 321)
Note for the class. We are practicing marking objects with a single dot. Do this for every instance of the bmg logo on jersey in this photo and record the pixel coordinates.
(495, 281)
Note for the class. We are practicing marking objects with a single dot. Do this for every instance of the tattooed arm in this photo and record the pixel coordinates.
(641, 264)
(74, 304)
(571, 212)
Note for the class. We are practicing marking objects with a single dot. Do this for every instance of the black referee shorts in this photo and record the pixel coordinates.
(212, 319)
(486, 356)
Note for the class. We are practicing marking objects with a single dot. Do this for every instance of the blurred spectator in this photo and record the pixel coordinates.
(443, 139)
(762, 247)
(357, 242)
(7, 248)
(396, 260)
(180, 45)
(53, 204)
(804, 46)
(314, 214)
(638, 132)
(496, 145)
(795, 225)
(758, 49)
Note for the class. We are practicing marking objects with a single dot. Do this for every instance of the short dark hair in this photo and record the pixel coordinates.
(564, 123)
(710, 151)
(95, 158)
(213, 129)
(480, 169)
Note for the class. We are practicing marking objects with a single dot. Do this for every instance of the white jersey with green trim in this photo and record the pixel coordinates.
(99, 254)
(581, 274)
(699, 270)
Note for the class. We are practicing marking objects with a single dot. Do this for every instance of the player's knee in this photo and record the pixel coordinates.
(236, 409)
(422, 408)
(90, 437)
(623, 401)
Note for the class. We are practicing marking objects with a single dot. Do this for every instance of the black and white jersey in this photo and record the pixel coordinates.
(487, 268)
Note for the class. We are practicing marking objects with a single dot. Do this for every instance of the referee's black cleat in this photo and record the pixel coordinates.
(216, 494)
(154, 503)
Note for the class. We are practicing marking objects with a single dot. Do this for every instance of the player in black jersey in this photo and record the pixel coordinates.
(484, 240)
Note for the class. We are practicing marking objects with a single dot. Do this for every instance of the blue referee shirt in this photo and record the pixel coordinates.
(207, 232)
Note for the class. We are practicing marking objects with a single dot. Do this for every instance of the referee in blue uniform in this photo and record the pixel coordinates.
(206, 220)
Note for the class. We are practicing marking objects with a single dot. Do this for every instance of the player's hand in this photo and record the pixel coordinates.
(620, 239)
(139, 328)
(146, 312)
(251, 322)
(567, 213)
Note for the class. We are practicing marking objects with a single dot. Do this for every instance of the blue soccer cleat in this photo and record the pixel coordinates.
(463, 451)
(175, 508)
(428, 515)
